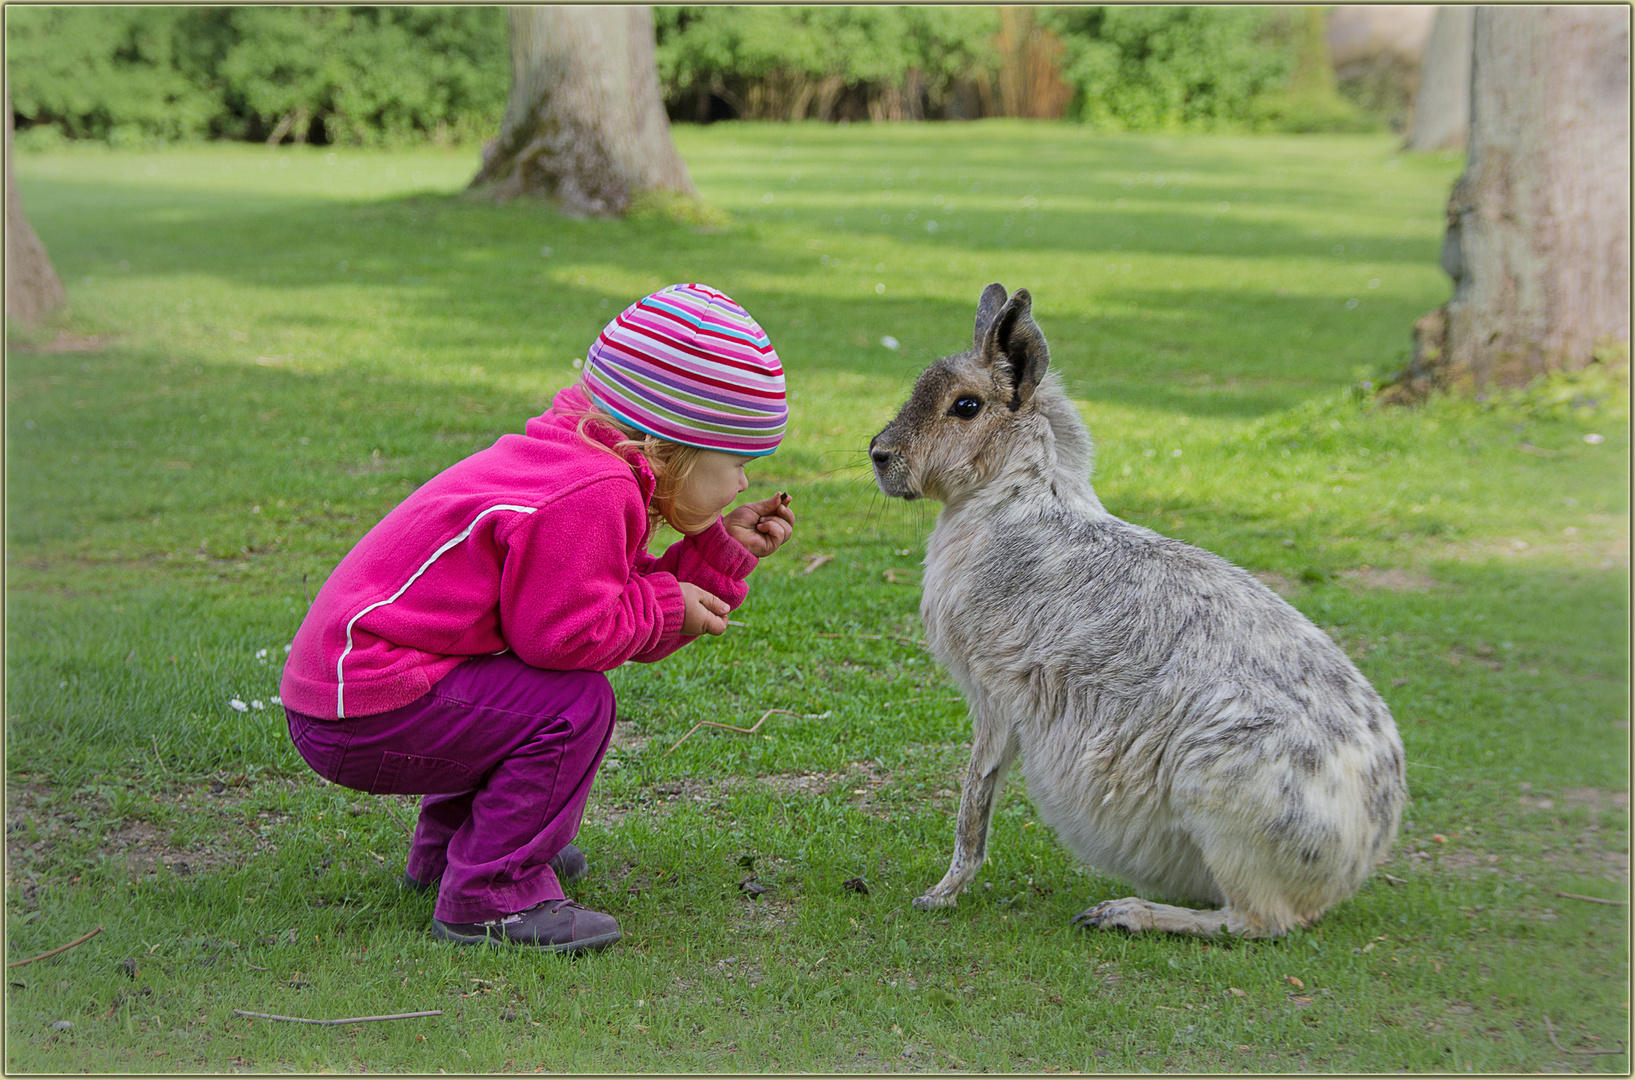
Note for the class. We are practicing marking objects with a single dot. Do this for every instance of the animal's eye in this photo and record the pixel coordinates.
(965, 407)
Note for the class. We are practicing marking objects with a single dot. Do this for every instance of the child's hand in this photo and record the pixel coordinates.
(705, 613)
(763, 526)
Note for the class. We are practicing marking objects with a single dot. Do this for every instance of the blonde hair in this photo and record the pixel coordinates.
(672, 464)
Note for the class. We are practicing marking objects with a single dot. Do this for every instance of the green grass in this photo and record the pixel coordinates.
(279, 345)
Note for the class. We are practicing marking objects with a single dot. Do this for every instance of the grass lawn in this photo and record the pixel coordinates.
(269, 349)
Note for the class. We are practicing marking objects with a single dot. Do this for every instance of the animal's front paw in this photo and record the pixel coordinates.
(1130, 913)
(932, 902)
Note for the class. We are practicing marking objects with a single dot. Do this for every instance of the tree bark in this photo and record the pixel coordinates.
(33, 290)
(1538, 225)
(1441, 113)
(585, 122)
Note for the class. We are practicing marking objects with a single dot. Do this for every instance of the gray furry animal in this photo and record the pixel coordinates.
(1180, 725)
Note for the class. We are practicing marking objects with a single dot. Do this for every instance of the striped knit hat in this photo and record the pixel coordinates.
(689, 365)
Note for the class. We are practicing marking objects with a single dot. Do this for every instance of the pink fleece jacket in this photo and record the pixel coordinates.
(537, 545)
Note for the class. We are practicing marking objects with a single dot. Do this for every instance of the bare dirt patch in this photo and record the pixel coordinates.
(663, 799)
(64, 342)
(48, 836)
(1588, 850)
(1281, 585)
(627, 740)
(1389, 578)
(1591, 798)
(1603, 544)
(862, 780)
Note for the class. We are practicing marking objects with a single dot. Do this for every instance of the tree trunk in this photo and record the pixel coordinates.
(32, 288)
(1441, 115)
(1030, 77)
(585, 121)
(1538, 225)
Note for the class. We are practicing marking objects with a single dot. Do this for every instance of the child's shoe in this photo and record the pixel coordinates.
(569, 864)
(553, 926)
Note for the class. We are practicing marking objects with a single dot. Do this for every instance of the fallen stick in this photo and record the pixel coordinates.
(345, 1020)
(156, 754)
(392, 810)
(1591, 899)
(741, 730)
(58, 949)
(1549, 1027)
(816, 561)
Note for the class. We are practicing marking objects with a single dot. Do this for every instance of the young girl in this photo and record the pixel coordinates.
(457, 652)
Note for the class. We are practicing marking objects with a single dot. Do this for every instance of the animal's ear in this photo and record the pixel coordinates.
(1015, 348)
(987, 309)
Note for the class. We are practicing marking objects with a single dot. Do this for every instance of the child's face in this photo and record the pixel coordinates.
(716, 481)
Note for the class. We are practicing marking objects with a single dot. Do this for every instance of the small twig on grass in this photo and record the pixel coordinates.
(344, 1020)
(1591, 899)
(1396, 881)
(891, 576)
(61, 948)
(390, 809)
(816, 561)
(742, 730)
(156, 756)
(1549, 1027)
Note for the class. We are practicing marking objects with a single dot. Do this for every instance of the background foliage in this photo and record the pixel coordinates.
(352, 75)
(368, 76)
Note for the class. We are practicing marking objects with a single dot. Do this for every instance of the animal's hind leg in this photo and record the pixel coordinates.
(1139, 916)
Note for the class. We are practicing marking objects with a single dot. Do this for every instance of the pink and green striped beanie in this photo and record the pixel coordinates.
(689, 365)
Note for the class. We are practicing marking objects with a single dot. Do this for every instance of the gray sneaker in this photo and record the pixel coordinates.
(553, 926)
(569, 864)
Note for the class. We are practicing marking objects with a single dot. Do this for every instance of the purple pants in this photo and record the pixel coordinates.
(504, 754)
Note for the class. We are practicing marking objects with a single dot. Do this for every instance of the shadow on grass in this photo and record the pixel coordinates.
(452, 278)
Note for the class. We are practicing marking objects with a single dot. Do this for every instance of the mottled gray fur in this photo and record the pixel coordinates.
(1179, 724)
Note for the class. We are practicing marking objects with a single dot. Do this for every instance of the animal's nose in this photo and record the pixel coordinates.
(879, 456)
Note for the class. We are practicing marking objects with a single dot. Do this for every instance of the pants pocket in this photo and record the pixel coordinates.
(412, 774)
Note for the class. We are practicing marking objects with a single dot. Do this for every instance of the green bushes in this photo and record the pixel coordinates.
(1136, 68)
(353, 75)
(1170, 68)
(395, 75)
(827, 63)
(103, 73)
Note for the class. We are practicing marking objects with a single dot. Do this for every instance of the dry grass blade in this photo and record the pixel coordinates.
(1591, 899)
(1549, 1027)
(816, 561)
(392, 810)
(344, 1020)
(60, 948)
(741, 730)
